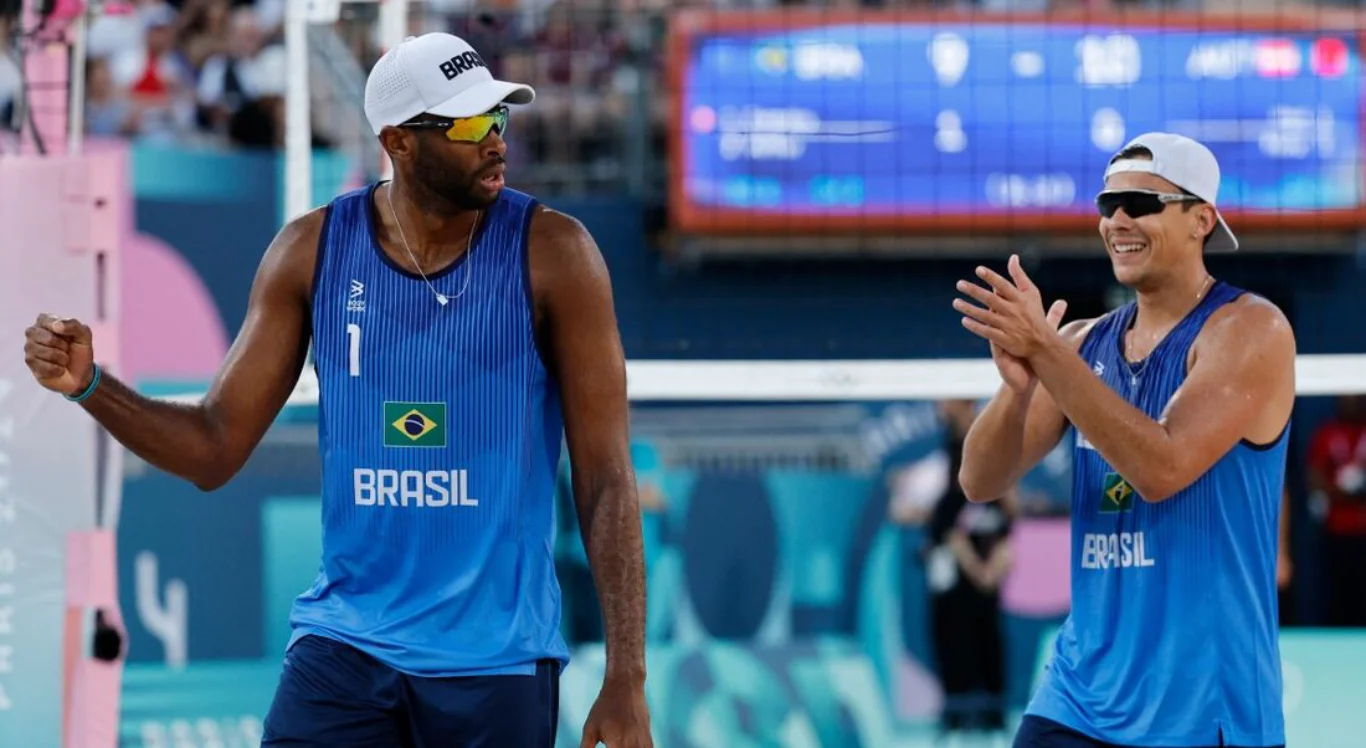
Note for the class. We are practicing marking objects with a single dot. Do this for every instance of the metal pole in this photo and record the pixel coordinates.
(298, 119)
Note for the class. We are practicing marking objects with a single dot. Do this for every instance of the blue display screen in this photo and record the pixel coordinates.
(999, 118)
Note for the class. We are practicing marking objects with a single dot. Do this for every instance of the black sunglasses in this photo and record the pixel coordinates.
(1139, 203)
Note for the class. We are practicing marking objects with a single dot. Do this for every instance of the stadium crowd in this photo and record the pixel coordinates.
(212, 72)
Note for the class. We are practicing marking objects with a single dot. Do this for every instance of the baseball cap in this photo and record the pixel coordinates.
(1188, 165)
(437, 74)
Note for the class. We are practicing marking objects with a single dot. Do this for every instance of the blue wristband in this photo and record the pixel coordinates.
(94, 382)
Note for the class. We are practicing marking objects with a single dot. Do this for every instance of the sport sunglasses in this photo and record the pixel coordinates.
(1138, 203)
(467, 129)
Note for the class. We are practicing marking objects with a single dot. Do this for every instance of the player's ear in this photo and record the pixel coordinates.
(1202, 221)
(396, 142)
(1208, 219)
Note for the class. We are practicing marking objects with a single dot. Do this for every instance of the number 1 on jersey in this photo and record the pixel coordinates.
(353, 356)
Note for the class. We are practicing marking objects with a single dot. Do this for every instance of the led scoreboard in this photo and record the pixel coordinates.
(878, 123)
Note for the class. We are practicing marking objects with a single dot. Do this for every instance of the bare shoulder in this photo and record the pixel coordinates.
(306, 229)
(292, 255)
(1248, 341)
(1247, 348)
(1246, 325)
(560, 237)
(562, 252)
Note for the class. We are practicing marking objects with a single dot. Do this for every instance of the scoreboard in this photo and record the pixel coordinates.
(871, 122)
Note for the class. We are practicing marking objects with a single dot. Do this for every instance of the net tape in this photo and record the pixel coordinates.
(926, 379)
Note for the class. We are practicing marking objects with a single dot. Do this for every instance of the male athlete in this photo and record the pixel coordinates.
(459, 330)
(1181, 403)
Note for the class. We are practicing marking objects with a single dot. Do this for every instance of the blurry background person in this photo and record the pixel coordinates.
(968, 558)
(1337, 478)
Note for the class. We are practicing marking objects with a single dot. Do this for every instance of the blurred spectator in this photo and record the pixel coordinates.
(1337, 478)
(227, 80)
(270, 13)
(9, 77)
(108, 111)
(186, 70)
(260, 121)
(914, 489)
(968, 558)
(204, 30)
(155, 76)
(570, 65)
(112, 33)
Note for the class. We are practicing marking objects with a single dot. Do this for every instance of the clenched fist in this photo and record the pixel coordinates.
(60, 354)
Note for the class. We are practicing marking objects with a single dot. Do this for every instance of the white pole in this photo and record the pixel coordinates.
(298, 120)
(393, 29)
(75, 132)
(393, 23)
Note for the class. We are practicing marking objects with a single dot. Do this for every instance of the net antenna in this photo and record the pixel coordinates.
(299, 16)
(51, 53)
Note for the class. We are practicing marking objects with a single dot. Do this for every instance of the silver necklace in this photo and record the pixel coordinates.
(1134, 376)
(441, 298)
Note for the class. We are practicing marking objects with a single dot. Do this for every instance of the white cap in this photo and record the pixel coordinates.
(436, 74)
(1186, 164)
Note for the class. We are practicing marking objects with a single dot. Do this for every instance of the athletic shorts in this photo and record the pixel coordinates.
(1037, 732)
(332, 695)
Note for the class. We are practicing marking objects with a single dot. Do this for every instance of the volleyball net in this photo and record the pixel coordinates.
(742, 381)
(786, 509)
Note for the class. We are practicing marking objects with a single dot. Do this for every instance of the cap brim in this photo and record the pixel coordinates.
(1222, 238)
(482, 97)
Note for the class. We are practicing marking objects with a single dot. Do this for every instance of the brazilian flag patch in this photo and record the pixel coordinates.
(1117, 495)
(414, 424)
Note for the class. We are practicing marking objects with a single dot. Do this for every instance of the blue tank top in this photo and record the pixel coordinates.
(1172, 636)
(440, 432)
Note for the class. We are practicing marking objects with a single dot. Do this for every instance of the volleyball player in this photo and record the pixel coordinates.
(460, 330)
(1180, 403)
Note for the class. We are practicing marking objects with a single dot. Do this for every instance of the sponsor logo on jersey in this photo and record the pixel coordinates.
(355, 300)
(414, 424)
(1116, 495)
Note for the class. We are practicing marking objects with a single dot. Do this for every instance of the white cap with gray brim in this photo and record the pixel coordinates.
(1188, 165)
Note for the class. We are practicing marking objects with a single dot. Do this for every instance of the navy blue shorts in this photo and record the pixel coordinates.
(1037, 732)
(334, 695)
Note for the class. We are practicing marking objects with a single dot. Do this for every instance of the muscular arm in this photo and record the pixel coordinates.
(209, 441)
(579, 329)
(1013, 433)
(1241, 380)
